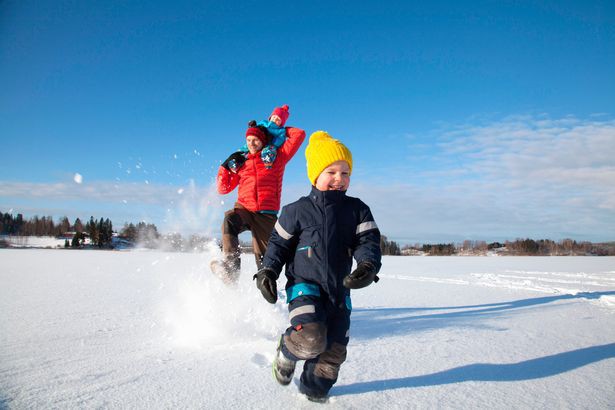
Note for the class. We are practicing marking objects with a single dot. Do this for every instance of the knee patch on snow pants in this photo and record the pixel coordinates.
(328, 365)
(307, 341)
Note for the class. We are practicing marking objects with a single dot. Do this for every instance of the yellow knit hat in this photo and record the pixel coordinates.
(322, 151)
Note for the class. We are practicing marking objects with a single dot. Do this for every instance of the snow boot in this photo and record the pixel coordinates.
(283, 368)
(312, 396)
(224, 272)
(317, 399)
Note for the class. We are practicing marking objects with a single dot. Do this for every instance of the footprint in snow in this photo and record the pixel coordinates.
(261, 360)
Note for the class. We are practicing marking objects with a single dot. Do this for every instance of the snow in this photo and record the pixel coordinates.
(34, 241)
(149, 329)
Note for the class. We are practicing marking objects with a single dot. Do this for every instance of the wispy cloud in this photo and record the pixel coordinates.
(94, 191)
(520, 176)
(534, 150)
(188, 208)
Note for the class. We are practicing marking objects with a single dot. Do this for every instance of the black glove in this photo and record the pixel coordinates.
(362, 276)
(266, 283)
(234, 161)
(252, 123)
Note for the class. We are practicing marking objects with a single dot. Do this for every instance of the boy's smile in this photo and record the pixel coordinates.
(336, 177)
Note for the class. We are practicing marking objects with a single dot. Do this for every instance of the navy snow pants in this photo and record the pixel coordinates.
(319, 335)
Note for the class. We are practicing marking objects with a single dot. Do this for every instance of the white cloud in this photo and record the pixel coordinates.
(521, 176)
(96, 191)
(186, 209)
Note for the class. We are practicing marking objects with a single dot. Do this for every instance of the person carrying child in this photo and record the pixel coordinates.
(274, 127)
(316, 239)
(258, 201)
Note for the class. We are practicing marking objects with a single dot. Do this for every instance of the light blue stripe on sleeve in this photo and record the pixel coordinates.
(301, 289)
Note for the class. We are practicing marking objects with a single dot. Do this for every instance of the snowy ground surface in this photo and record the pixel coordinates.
(148, 329)
(34, 241)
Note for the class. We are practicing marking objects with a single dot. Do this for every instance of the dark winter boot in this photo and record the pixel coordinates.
(312, 396)
(283, 368)
(226, 270)
(317, 399)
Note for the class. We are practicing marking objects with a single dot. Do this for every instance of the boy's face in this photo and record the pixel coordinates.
(336, 177)
(254, 144)
(277, 120)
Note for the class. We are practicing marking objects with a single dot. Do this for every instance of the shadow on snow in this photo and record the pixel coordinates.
(369, 323)
(525, 370)
(375, 322)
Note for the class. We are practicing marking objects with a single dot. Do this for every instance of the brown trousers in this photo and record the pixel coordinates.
(239, 220)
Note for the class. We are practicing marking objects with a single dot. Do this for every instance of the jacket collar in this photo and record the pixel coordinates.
(326, 197)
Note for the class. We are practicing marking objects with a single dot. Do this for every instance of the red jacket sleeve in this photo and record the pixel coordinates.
(294, 139)
(226, 181)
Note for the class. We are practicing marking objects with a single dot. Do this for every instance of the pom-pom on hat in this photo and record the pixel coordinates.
(281, 112)
(322, 151)
(258, 133)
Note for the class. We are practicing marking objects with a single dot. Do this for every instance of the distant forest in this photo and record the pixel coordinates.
(99, 233)
(518, 247)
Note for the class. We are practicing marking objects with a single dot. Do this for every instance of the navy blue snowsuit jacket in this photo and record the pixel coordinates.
(317, 236)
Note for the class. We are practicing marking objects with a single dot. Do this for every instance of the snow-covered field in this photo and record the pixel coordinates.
(148, 329)
(34, 241)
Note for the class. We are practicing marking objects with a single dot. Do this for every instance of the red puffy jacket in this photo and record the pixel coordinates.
(260, 189)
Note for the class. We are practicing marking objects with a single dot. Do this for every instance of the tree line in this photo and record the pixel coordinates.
(563, 247)
(36, 226)
(99, 232)
(518, 247)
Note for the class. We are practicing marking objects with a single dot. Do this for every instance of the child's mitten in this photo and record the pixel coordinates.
(268, 155)
(362, 276)
(266, 283)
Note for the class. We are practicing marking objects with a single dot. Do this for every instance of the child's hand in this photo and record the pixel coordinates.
(266, 283)
(362, 276)
(268, 155)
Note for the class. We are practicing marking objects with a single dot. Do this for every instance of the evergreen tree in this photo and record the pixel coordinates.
(108, 229)
(101, 233)
(78, 227)
(18, 225)
(92, 230)
(77, 240)
(129, 232)
(63, 226)
(389, 247)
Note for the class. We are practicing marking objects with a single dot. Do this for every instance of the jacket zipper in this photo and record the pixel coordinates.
(256, 183)
(326, 246)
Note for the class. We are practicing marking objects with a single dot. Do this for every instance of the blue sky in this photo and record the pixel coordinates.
(467, 120)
